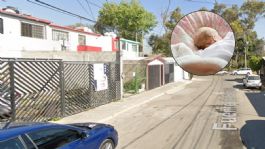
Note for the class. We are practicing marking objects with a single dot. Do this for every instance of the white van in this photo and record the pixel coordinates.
(242, 71)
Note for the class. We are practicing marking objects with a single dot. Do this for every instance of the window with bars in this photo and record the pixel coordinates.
(60, 35)
(123, 45)
(82, 39)
(31, 30)
(1, 26)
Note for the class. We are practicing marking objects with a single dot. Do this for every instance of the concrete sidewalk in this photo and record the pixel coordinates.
(108, 111)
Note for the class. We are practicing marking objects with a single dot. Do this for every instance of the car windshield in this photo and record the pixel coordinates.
(254, 78)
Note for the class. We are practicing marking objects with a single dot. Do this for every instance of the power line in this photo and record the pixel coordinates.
(83, 7)
(165, 16)
(94, 4)
(207, 2)
(57, 9)
(46, 7)
(198, 1)
(90, 9)
(41, 3)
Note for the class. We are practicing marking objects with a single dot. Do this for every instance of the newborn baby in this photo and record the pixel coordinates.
(205, 36)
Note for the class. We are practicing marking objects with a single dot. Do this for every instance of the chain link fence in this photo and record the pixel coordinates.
(43, 89)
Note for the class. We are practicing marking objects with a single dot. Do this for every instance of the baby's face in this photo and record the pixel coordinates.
(205, 36)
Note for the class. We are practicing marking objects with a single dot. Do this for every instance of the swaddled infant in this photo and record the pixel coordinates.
(205, 36)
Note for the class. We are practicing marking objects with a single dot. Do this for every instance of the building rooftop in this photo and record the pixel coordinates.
(44, 21)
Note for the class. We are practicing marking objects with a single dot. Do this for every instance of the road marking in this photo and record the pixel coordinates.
(228, 120)
(229, 115)
(223, 126)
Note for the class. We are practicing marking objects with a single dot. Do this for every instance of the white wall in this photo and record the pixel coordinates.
(105, 42)
(16, 44)
(11, 26)
(178, 73)
(186, 75)
(12, 40)
(128, 53)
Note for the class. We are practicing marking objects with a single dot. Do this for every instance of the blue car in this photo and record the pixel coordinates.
(58, 136)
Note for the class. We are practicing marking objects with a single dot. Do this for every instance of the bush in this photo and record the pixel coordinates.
(255, 63)
(133, 85)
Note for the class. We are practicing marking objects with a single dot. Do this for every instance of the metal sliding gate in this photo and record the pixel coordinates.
(169, 73)
(154, 76)
(39, 90)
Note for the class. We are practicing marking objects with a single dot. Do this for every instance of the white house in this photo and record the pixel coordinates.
(129, 49)
(21, 32)
(179, 73)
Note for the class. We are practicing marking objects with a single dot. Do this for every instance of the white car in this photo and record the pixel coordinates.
(222, 72)
(242, 71)
(252, 81)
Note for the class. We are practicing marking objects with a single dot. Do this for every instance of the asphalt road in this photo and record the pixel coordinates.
(184, 119)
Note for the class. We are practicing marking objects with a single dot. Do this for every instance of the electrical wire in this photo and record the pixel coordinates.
(57, 9)
(198, 1)
(83, 7)
(94, 4)
(207, 2)
(90, 9)
(62, 10)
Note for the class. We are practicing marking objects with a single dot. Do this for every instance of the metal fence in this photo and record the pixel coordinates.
(40, 90)
(169, 73)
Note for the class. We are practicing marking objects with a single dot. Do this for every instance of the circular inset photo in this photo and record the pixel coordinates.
(202, 43)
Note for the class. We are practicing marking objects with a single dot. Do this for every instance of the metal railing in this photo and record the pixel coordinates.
(43, 89)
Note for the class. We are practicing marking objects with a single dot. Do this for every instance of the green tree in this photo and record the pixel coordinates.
(82, 25)
(231, 14)
(203, 9)
(161, 44)
(128, 19)
(242, 20)
(218, 8)
(251, 11)
(255, 63)
(175, 16)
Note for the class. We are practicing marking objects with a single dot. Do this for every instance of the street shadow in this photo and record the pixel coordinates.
(238, 80)
(253, 134)
(239, 86)
(258, 102)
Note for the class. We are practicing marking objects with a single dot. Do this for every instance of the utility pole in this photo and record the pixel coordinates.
(119, 61)
(246, 56)
(246, 49)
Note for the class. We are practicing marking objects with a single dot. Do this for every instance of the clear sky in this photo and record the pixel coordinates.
(154, 6)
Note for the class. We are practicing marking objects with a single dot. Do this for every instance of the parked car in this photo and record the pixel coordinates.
(222, 72)
(252, 81)
(5, 101)
(51, 136)
(5, 104)
(242, 71)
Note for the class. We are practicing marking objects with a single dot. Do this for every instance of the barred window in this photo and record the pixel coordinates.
(31, 30)
(1, 26)
(123, 45)
(60, 35)
(82, 39)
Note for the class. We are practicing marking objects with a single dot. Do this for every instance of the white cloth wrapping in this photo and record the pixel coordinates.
(218, 53)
